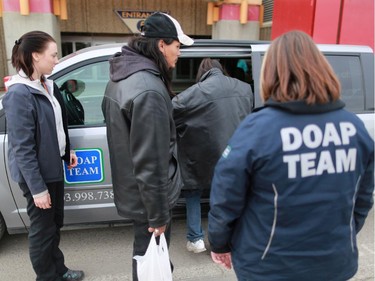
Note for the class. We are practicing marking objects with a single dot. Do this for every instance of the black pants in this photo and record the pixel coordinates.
(44, 233)
(142, 239)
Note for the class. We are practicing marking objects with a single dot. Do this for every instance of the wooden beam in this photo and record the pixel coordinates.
(24, 7)
(216, 14)
(261, 15)
(249, 2)
(243, 12)
(210, 13)
(63, 10)
(56, 7)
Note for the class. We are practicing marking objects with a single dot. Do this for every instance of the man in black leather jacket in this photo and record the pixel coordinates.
(140, 129)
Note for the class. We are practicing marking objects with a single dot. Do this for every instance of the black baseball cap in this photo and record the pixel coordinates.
(160, 25)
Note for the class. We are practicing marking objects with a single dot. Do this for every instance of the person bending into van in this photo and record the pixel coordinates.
(38, 142)
(141, 132)
(295, 183)
(206, 115)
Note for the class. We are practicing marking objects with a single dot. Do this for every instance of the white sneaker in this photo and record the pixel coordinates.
(196, 247)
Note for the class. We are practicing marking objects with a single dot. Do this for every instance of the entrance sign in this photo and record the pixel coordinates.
(133, 19)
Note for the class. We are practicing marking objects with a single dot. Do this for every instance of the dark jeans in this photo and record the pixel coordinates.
(44, 233)
(142, 239)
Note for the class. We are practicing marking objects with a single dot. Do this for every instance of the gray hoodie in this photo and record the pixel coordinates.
(127, 62)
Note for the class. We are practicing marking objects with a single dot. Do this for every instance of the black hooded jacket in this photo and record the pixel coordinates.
(142, 139)
(206, 116)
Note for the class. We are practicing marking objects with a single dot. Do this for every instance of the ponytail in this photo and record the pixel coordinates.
(29, 43)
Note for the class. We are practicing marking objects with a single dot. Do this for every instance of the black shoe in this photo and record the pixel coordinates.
(73, 275)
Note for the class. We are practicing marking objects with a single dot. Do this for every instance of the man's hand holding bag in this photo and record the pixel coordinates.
(155, 264)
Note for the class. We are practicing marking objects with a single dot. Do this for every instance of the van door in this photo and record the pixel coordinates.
(88, 187)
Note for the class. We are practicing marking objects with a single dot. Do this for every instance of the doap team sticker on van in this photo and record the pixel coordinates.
(89, 168)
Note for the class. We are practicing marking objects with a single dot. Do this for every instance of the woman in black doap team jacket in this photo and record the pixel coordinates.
(295, 183)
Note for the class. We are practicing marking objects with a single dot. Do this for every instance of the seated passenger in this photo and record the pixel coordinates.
(74, 108)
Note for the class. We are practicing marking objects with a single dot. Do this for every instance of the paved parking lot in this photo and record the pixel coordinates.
(105, 255)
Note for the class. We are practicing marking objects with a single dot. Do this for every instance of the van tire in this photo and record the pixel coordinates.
(2, 226)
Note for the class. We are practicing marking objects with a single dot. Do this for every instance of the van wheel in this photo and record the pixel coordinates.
(2, 226)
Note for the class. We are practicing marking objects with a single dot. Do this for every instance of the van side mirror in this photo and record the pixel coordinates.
(73, 86)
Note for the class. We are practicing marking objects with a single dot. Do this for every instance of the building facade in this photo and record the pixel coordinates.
(78, 24)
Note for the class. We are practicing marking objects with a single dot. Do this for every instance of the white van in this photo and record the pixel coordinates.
(88, 187)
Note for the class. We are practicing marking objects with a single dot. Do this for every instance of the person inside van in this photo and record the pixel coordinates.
(206, 115)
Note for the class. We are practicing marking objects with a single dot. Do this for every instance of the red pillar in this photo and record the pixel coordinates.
(35, 6)
(237, 22)
(357, 23)
(292, 14)
(327, 21)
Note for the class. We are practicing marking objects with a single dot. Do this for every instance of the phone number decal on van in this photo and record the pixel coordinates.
(89, 168)
(89, 196)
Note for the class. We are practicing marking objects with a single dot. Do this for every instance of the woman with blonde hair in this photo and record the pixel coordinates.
(295, 183)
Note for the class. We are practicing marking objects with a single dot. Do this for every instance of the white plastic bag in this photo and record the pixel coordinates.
(155, 264)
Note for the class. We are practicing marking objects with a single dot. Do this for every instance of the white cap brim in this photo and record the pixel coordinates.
(182, 37)
(185, 40)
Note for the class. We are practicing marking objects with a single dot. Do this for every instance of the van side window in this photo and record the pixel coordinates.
(184, 75)
(83, 89)
(348, 70)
